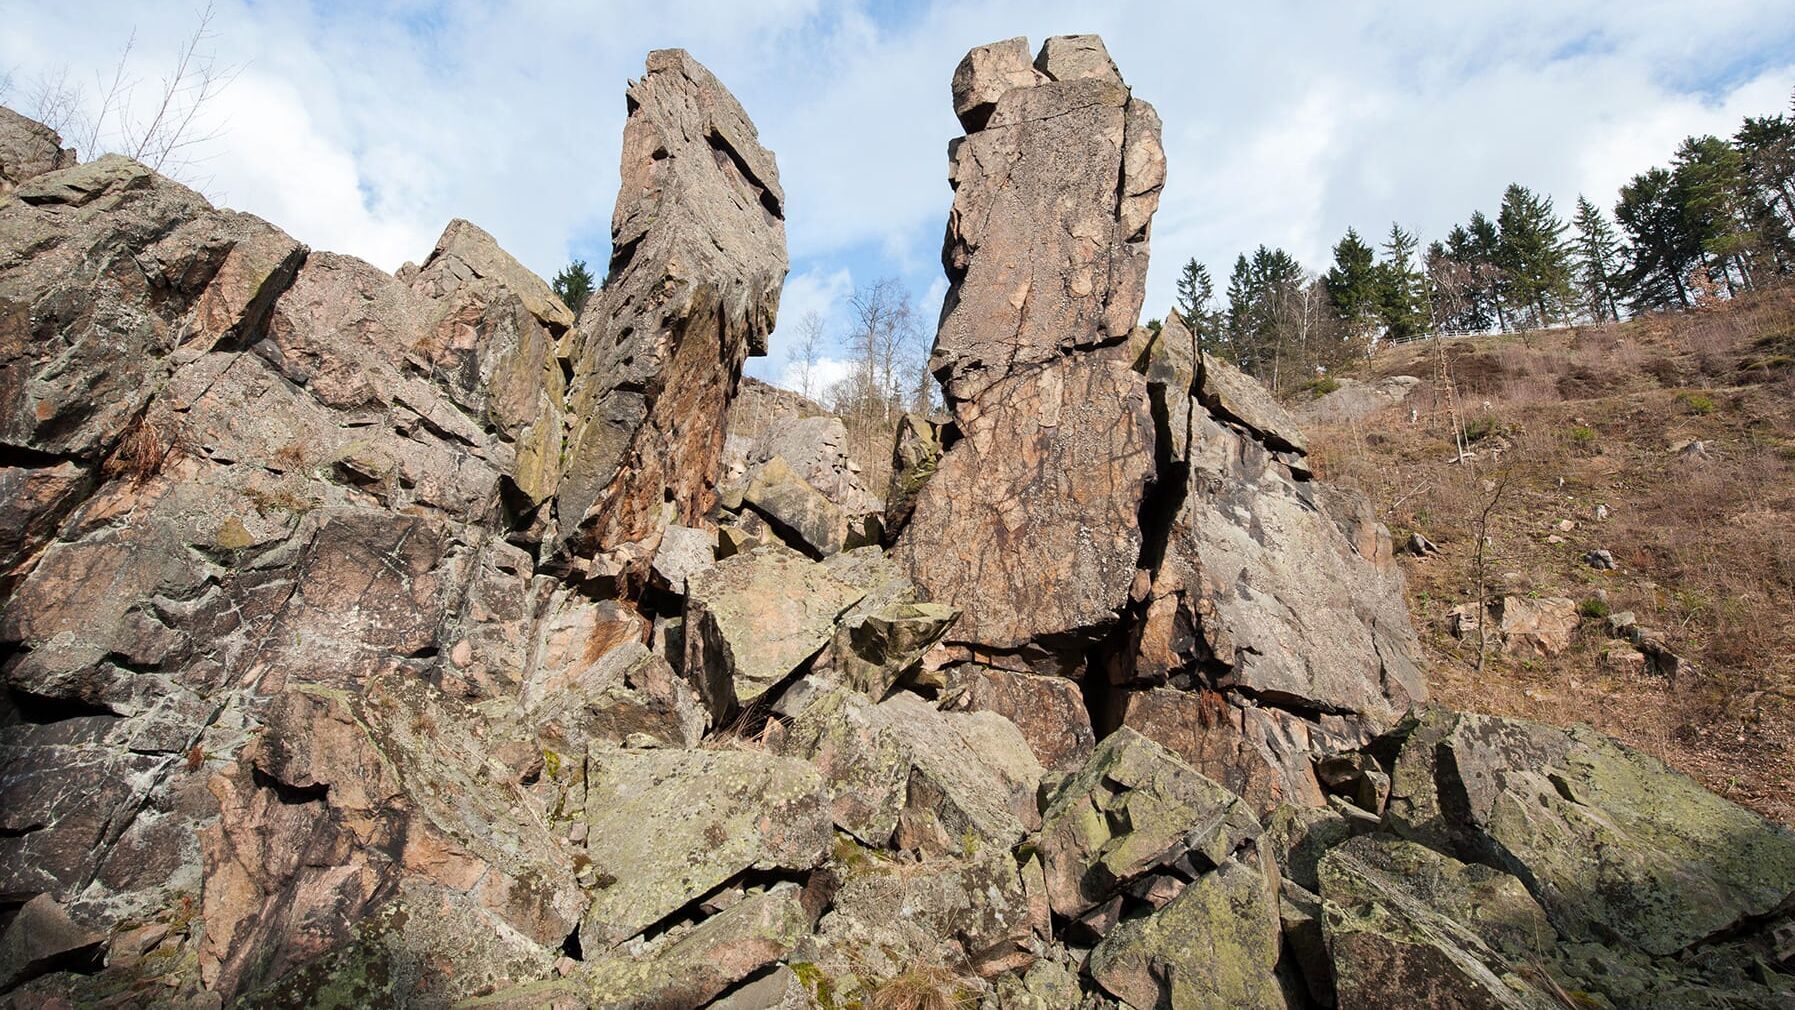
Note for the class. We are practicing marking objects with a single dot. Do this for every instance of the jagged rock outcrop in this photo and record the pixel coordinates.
(283, 682)
(325, 683)
(28, 149)
(698, 257)
(1033, 510)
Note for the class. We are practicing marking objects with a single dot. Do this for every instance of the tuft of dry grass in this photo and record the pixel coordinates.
(924, 987)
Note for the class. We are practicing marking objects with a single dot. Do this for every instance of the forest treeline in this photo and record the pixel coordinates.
(1717, 221)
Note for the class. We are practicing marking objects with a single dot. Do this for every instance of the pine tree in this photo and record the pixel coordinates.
(1710, 175)
(1767, 143)
(1599, 261)
(1533, 255)
(1264, 297)
(1486, 258)
(1664, 246)
(573, 285)
(1352, 286)
(1196, 306)
(1402, 291)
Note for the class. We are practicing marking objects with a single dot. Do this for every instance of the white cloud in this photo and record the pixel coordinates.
(824, 293)
(825, 373)
(366, 128)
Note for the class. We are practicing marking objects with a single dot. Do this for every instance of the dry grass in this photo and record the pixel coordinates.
(924, 987)
(1590, 416)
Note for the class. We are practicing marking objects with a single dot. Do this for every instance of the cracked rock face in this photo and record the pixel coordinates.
(1032, 511)
(698, 257)
(283, 679)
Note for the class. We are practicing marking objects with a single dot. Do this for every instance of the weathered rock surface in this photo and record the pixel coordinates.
(1390, 949)
(1213, 947)
(667, 827)
(1133, 807)
(816, 450)
(1616, 847)
(891, 914)
(1050, 711)
(1032, 511)
(42, 938)
(753, 618)
(28, 149)
(1352, 400)
(351, 658)
(698, 257)
(803, 517)
(282, 686)
(900, 773)
(1522, 625)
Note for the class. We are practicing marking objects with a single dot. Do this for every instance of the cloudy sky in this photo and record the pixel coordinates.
(365, 127)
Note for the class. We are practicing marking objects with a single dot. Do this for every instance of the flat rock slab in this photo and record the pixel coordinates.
(667, 827)
(1391, 949)
(753, 618)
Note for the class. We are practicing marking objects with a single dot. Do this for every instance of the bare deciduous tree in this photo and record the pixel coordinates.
(166, 132)
(807, 352)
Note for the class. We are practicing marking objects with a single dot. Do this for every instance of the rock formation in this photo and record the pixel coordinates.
(697, 261)
(352, 656)
(1033, 509)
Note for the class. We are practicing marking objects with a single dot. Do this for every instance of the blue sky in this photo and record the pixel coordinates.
(365, 127)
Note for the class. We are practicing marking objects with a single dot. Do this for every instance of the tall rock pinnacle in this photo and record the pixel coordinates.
(1032, 514)
(697, 260)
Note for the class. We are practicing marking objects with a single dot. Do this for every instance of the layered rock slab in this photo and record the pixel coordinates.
(1615, 846)
(698, 257)
(667, 827)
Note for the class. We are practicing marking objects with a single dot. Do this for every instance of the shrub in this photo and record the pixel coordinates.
(1583, 436)
(1698, 403)
(1479, 428)
(1593, 609)
(1322, 386)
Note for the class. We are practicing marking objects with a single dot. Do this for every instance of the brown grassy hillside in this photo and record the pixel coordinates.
(1564, 421)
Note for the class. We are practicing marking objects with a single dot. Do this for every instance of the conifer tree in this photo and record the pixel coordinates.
(1401, 289)
(1599, 261)
(1665, 248)
(1196, 306)
(1710, 176)
(1352, 286)
(1532, 254)
(1486, 257)
(573, 285)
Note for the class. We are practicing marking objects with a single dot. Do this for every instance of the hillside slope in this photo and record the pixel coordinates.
(1668, 441)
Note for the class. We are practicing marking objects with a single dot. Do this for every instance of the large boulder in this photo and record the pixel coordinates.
(28, 149)
(698, 256)
(1213, 947)
(1134, 808)
(753, 618)
(902, 774)
(1392, 948)
(667, 827)
(1615, 846)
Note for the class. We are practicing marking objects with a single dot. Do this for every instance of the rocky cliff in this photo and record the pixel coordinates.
(375, 640)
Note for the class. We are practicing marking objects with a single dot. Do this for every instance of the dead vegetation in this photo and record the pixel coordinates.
(1668, 441)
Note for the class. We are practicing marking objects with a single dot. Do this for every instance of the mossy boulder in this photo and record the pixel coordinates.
(666, 827)
(1615, 846)
(1134, 806)
(1213, 947)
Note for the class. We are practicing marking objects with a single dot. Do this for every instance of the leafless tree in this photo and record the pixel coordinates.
(167, 132)
(807, 352)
